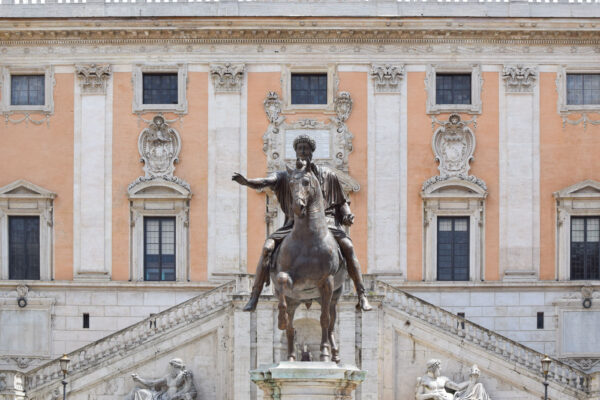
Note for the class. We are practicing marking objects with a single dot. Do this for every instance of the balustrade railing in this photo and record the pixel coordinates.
(127, 339)
(504, 347)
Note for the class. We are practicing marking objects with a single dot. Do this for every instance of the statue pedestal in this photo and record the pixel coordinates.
(307, 380)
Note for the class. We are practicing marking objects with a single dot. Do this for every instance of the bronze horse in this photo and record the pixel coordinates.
(308, 264)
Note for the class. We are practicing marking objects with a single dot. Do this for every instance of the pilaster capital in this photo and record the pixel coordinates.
(386, 77)
(228, 77)
(93, 77)
(519, 78)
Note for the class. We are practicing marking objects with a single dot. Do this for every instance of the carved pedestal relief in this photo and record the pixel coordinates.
(334, 143)
(159, 193)
(454, 193)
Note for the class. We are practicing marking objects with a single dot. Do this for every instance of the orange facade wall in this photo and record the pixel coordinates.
(567, 155)
(259, 83)
(356, 84)
(43, 155)
(192, 167)
(421, 166)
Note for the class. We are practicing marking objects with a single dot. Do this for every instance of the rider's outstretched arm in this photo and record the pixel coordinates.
(258, 183)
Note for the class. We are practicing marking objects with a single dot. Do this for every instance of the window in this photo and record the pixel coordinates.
(23, 247)
(453, 89)
(585, 243)
(159, 248)
(26, 224)
(27, 90)
(578, 231)
(583, 89)
(160, 88)
(453, 249)
(309, 88)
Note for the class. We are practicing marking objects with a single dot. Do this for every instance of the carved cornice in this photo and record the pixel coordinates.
(519, 78)
(227, 77)
(386, 77)
(222, 31)
(93, 77)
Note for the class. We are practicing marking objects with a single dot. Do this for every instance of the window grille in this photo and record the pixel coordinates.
(309, 88)
(583, 89)
(159, 248)
(453, 249)
(453, 88)
(160, 88)
(585, 248)
(24, 247)
(27, 90)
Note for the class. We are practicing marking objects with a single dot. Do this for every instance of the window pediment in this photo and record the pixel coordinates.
(584, 189)
(24, 189)
(157, 188)
(453, 187)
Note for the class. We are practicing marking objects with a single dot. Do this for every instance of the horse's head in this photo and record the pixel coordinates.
(304, 187)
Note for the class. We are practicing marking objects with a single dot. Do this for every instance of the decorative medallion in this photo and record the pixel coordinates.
(159, 146)
(453, 145)
(93, 78)
(519, 78)
(227, 77)
(387, 77)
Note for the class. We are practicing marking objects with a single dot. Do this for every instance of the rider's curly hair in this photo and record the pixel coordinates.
(305, 139)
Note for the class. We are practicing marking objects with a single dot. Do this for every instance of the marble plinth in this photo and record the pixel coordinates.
(307, 380)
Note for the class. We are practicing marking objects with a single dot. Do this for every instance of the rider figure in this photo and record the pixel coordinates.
(337, 211)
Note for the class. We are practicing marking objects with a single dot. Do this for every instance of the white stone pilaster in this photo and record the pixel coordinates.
(370, 347)
(241, 354)
(387, 171)
(93, 173)
(346, 318)
(265, 335)
(519, 174)
(226, 155)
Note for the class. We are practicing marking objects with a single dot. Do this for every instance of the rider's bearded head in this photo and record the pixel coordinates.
(304, 146)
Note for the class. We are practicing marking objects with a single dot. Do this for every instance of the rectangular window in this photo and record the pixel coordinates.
(540, 320)
(453, 89)
(27, 90)
(23, 247)
(585, 246)
(159, 248)
(309, 88)
(583, 89)
(453, 249)
(160, 88)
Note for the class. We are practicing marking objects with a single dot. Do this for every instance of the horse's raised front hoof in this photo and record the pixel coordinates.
(251, 304)
(363, 304)
(325, 354)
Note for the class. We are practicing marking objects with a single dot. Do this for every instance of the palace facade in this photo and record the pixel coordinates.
(463, 133)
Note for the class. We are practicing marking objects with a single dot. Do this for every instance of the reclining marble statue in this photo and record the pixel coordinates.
(178, 384)
(305, 258)
(434, 386)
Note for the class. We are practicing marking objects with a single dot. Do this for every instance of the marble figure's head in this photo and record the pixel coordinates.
(434, 366)
(176, 365)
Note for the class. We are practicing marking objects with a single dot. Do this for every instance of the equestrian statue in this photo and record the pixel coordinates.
(306, 258)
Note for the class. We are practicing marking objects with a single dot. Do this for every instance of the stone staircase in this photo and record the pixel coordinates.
(565, 380)
(218, 312)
